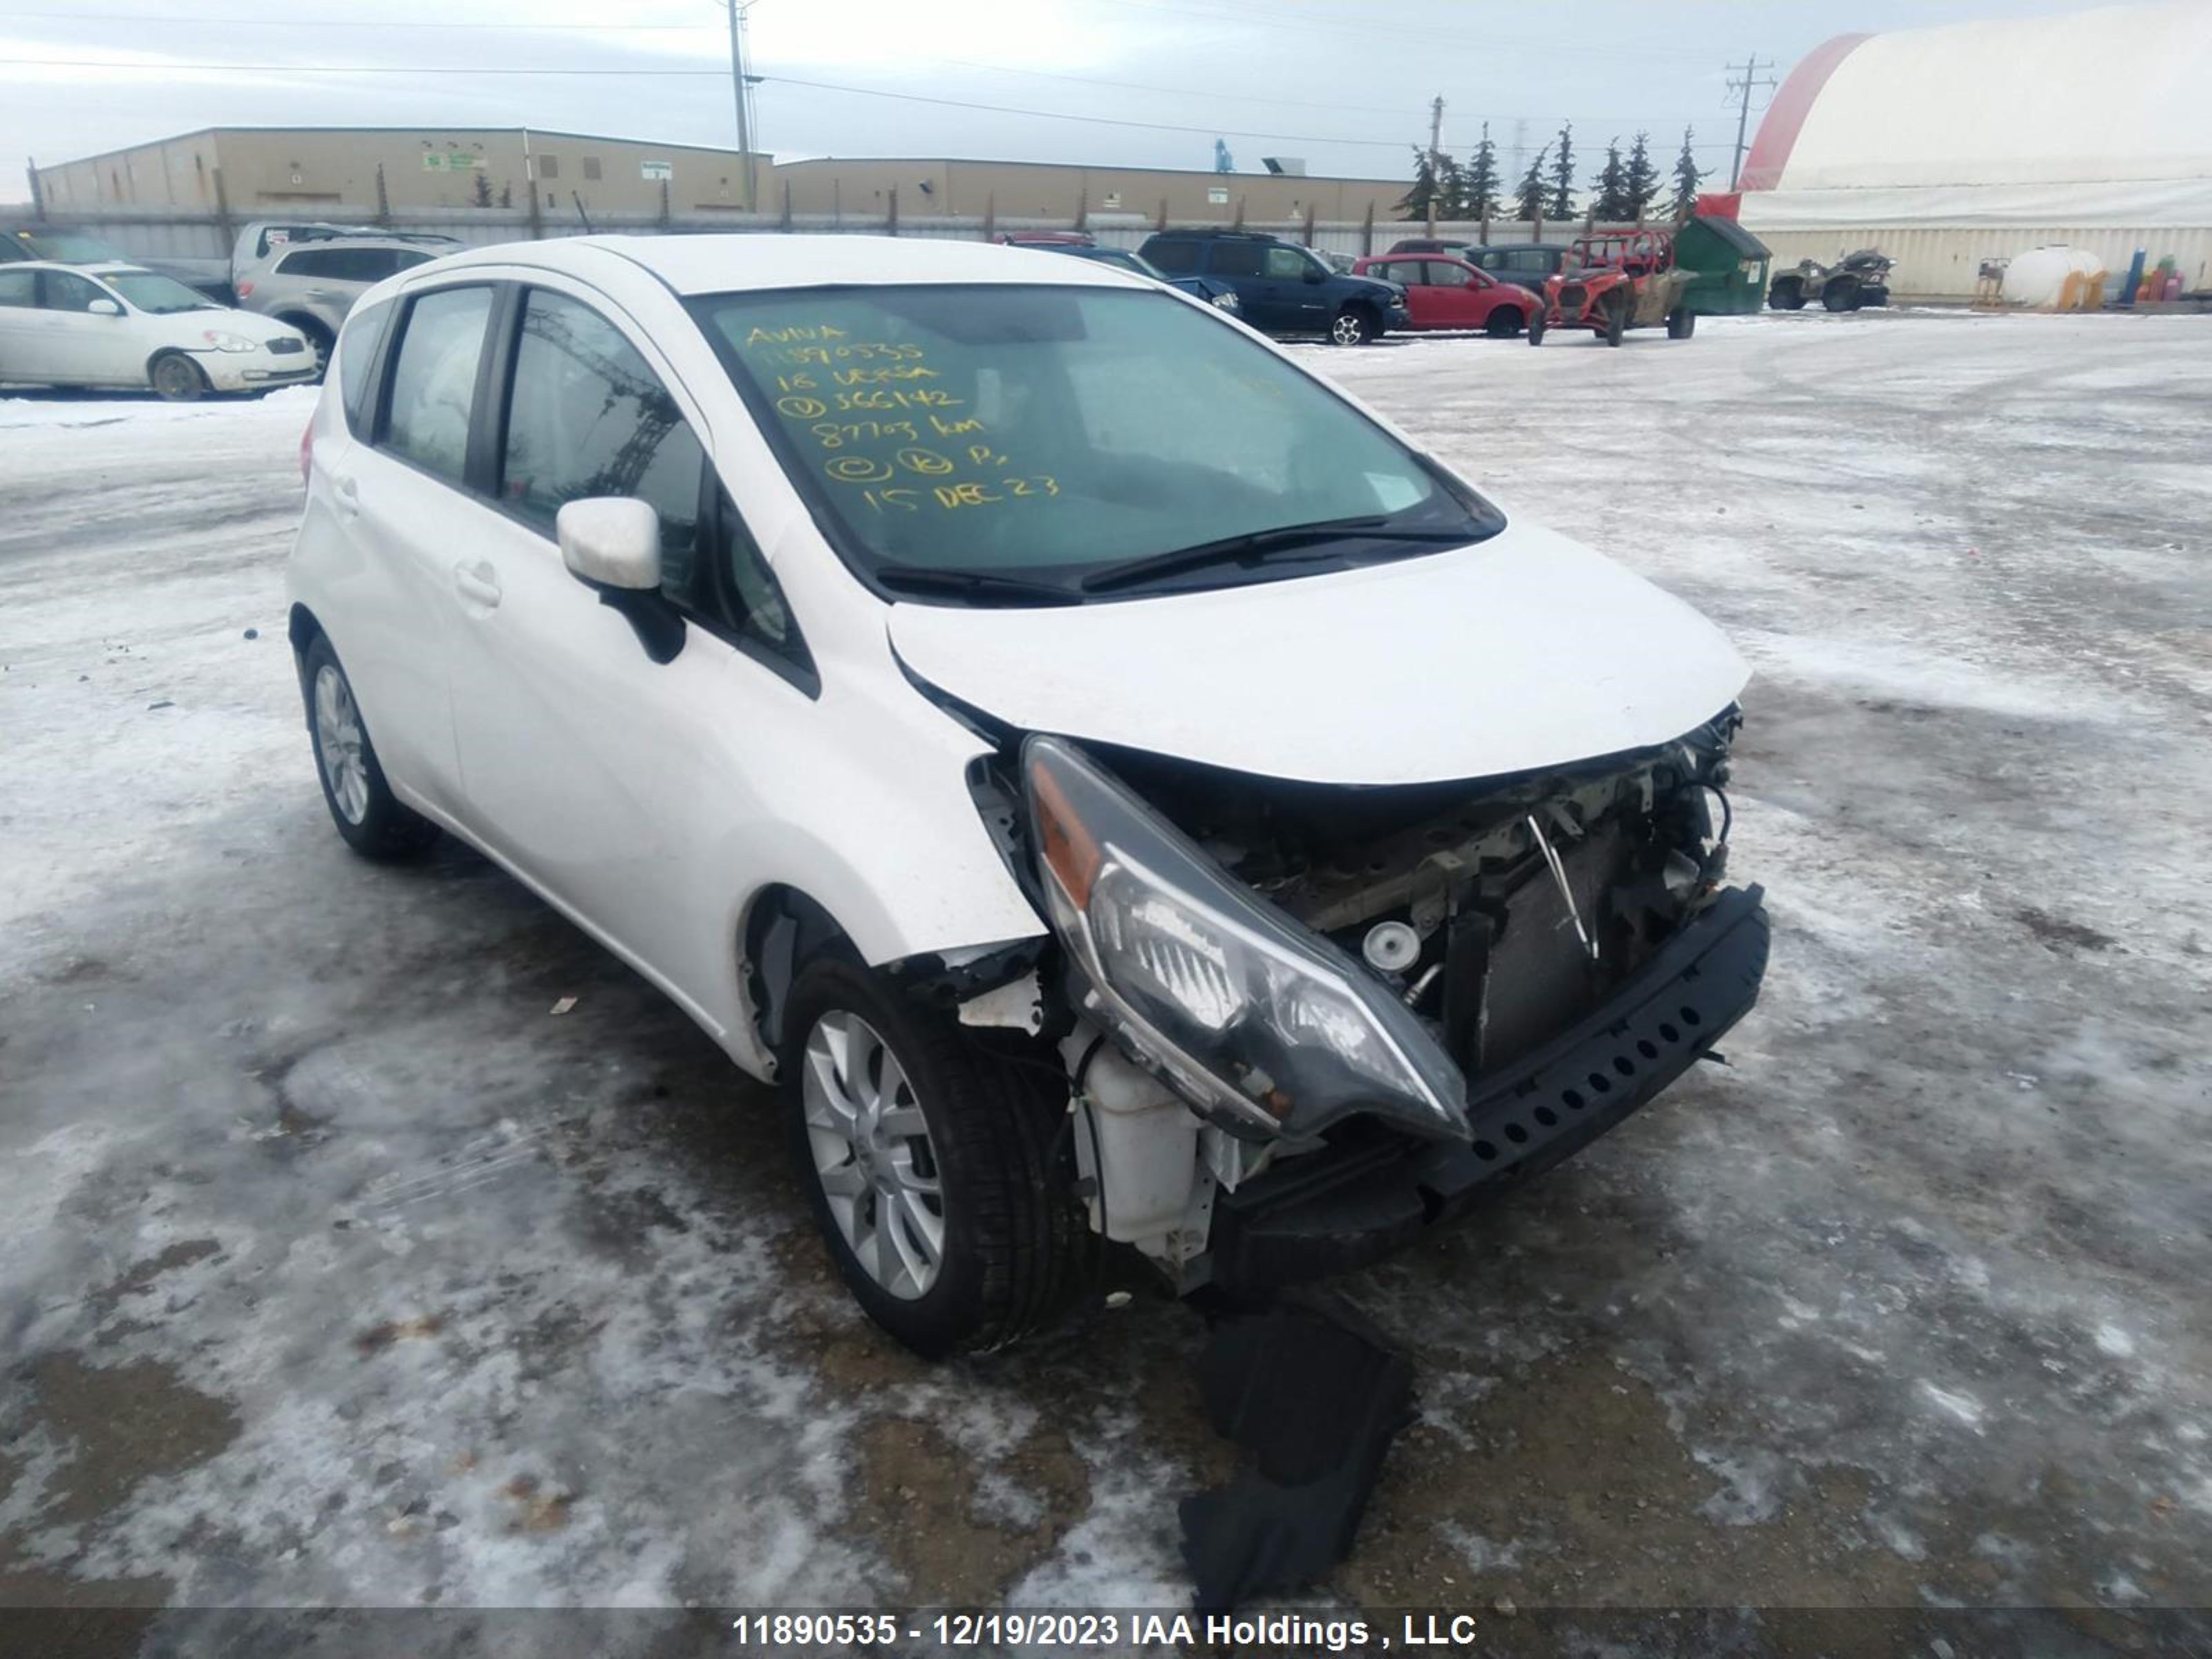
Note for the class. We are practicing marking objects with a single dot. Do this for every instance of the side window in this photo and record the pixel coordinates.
(1442, 273)
(1236, 259)
(408, 259)
(434, 382)
(17, 288)
(587, 418)
(1180, 258)
(356, 357)
(307, 262)
(67, 293)
(1286, 264)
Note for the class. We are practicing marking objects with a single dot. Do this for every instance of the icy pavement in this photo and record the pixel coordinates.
(335, 1268)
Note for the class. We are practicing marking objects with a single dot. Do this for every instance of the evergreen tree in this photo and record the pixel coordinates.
(1529, 195)
(1612, 188)
(1686, 177)
(1640, 183)
(482, 188)
(1479, 181)
(1425, 194)
(1561, 205)
(1451, 186)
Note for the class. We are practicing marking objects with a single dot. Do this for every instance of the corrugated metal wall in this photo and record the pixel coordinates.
(1943, 264)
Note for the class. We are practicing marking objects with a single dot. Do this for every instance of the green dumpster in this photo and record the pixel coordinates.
(1727, 266)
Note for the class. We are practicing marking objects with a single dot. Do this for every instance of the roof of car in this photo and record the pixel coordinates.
(727, 263)
(98, 268)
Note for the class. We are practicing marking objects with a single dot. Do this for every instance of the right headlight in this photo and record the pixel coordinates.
(1267, 1027)
(1227, 300)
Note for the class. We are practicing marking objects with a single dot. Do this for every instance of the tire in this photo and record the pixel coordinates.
(177, 378)
(1840, 296)
(1681, 323)
(974, 1156)
(1616, 319)
(319, 342)
(1536, 326)
(1353, 326)
(372, 819)
(1787, 296)
(1503, 324)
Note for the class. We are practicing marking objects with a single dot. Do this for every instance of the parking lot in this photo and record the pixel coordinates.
(341, 1269)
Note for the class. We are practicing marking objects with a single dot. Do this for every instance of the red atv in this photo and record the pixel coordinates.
(1616, 281)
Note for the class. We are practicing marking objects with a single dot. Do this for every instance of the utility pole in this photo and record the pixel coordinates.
(1744, 77)
(1436, 143)
(737, 86)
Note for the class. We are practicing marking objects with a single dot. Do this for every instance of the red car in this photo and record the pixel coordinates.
(1446, 293)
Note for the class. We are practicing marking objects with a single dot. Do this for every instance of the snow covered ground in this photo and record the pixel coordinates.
(334, 1268)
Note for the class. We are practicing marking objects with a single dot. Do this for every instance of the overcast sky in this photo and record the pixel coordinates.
(1345, 84)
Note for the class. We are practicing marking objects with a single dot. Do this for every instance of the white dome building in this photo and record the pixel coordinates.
(1948, 147)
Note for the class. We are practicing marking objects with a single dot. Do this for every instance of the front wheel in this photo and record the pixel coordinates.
(177, 378)
(1681, 323)
(1536, 326)
(373, 820)
(1616, 320)
(1787, 296)
(1351, 327)
(934, 1166)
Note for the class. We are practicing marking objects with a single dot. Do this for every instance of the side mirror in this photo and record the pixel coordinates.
(105, 308)
(612, 544)
(611, 541)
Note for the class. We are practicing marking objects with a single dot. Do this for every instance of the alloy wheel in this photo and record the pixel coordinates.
(872, 1154)
(339, 743)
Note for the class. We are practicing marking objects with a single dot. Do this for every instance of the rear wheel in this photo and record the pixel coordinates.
(1504, 322)
(372, 819)
(1351, 327)
(319, 342)
(1681, 323)
(177, 378)
(1841, 295)
(934, 1167)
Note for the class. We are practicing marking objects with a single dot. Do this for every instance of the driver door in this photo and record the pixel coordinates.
(1305, 303)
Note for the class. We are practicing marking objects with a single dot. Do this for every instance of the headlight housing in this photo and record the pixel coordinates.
(1266, 1026)
(1227, 300)
(219, 339)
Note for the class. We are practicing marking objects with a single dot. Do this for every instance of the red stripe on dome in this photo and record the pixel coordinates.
(1785, 117)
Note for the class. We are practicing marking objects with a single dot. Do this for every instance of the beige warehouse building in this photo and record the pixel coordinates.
(250, 170)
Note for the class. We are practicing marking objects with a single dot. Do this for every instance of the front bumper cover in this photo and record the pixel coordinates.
(1354, 1205)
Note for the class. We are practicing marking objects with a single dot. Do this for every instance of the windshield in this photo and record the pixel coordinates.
(159, 294)
(1048, 434)
(66, 247)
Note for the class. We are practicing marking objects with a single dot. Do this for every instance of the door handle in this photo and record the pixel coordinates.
(347, 489)
(478, 584)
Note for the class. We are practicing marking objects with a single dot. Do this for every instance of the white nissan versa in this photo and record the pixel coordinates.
(1115, 784)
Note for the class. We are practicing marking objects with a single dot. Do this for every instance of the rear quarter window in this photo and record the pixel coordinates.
(364, 331)
(1179, 258)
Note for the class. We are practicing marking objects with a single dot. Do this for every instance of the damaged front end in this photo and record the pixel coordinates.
(1302, 1021)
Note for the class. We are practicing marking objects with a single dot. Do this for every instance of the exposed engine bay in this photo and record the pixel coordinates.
(1500, 910)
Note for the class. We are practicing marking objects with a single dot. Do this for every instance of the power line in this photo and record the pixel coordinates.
(1227, 11)
(386, 24)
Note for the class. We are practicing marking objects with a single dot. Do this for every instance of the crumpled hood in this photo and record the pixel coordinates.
(1523, 651)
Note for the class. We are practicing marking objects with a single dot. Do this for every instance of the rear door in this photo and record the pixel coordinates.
(403, 507)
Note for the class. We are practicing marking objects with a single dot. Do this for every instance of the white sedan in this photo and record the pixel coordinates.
(120, 325)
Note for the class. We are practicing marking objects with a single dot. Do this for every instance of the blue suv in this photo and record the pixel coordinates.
(1281, 287)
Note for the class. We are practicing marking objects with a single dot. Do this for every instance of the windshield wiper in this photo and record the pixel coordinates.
(972, 584)
(1258, 543)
